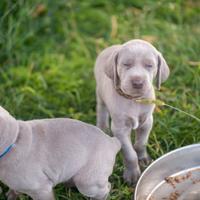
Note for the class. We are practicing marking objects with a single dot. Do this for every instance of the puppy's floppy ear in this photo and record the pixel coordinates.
(162, 71)
(7, 122)
(9, 128)
(111, 68)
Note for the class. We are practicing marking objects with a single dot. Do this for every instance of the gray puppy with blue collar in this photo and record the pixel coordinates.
(36, 155)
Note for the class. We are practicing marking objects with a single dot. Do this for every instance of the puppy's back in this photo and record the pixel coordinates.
(69, 131)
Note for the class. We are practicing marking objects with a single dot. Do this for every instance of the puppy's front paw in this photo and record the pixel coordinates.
(131, 176)
(145, 161)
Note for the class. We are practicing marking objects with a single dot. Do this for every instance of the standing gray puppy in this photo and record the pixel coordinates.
(123, 74)
(37, 155)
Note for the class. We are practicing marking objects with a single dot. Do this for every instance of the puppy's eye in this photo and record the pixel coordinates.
(148, 65)
(128, 65)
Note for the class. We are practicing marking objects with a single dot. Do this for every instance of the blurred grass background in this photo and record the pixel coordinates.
(48, 49)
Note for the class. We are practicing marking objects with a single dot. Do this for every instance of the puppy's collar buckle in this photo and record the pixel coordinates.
(7, 150)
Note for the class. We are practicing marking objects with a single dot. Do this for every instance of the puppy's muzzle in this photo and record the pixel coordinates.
(137, 82)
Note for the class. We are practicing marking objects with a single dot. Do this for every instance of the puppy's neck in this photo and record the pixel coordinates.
(150, 94)
(9, 129)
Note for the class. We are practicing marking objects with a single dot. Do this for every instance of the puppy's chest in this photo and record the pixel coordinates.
(137, 115)
(135, 121)
(138, 110)
(9, 175)
(20, 177)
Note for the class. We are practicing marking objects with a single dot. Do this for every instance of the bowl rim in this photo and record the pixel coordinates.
(157, 160)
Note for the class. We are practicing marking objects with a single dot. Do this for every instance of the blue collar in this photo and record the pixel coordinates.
(6, 150)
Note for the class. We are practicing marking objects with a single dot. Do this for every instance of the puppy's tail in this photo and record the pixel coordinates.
(116, 143)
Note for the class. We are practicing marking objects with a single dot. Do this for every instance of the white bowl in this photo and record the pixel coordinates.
(174, 176)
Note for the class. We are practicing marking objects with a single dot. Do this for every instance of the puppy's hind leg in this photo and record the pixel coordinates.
(99, 191)
(107, 188)
(43, 194)
(92, 180)
(102, 114)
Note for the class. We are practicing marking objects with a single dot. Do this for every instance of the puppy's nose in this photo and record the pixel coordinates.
(137, 83)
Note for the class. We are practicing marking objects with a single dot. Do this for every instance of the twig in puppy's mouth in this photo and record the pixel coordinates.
(162, 103)
(151, 101)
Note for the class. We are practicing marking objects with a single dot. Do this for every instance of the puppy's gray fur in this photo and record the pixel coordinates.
(51, 151)
(124, 73)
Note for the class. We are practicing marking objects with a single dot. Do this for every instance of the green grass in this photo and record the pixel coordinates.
(48, 49)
